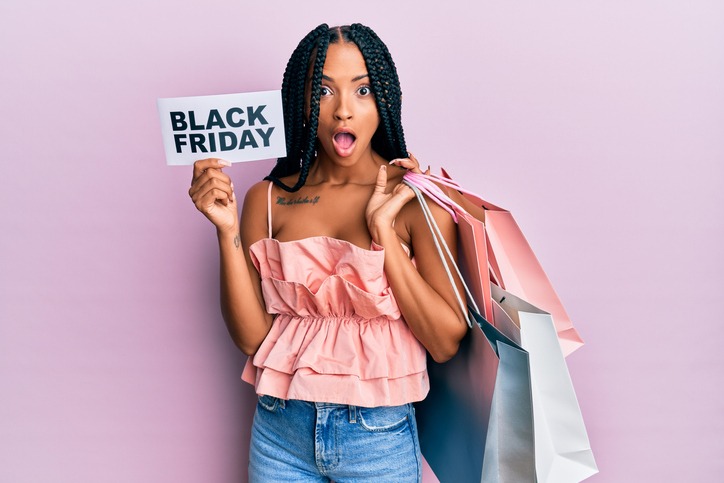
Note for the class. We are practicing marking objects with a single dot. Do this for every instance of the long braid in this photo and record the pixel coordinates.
(385, 84)
(300, 135)
(308, 152)
(389, 139)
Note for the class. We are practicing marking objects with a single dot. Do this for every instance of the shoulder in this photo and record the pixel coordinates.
(254, 212)
(416, 223)
(257, 194)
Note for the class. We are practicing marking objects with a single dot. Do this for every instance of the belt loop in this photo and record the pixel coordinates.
(353, 414)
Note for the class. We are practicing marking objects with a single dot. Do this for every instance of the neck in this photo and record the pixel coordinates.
(352, 170)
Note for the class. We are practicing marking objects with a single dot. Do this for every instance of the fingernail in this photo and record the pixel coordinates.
(393, 161)
(224, 162)
(232, 184)
(384, 168)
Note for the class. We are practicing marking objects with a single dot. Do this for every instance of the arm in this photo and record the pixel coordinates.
(242, 304)
(424, 293)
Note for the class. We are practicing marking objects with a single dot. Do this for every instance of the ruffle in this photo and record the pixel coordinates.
(376, 362)
(336, 297)
(378, 348)
(306, 385)
(323, 276)
(338, 336)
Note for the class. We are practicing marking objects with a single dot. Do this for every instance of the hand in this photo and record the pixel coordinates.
(213, 194)
(382, 208)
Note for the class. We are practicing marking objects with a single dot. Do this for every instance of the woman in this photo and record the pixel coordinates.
(318, 284)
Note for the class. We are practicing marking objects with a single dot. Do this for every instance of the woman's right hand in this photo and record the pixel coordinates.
(213, 194)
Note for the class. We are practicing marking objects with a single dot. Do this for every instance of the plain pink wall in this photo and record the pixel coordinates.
(599, 124)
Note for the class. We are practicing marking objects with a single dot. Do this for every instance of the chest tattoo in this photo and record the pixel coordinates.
(281, 200)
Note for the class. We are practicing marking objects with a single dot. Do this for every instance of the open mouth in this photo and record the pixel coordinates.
(344, 143)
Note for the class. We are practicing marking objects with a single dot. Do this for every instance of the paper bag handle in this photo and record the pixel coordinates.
(440, 241)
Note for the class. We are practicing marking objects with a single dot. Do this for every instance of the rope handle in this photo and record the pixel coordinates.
(429, 178)
(440, 241)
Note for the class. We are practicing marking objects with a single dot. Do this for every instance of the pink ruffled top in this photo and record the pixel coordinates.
(338, 335)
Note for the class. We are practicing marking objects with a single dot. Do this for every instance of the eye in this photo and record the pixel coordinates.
(325, 91)
(364, 91)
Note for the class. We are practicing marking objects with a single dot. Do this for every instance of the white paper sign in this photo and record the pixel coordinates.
(235, 127)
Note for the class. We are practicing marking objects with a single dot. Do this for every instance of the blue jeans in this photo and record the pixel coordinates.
(318, 442)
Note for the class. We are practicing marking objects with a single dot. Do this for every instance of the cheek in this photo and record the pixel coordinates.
(373, 119)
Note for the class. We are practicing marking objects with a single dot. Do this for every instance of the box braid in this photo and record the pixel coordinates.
(388, 141)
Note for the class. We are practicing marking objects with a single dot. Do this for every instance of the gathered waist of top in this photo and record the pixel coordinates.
(337, 319)
(343, 360)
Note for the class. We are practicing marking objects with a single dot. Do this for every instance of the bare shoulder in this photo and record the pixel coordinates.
(257, 190)
(416, 224)
(256, 196)
(254, 213)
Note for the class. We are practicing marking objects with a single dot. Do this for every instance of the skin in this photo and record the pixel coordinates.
(353, 195)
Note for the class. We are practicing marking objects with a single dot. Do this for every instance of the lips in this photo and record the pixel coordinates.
(344, 141)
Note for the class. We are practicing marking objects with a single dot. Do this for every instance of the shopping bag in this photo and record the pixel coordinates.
(476, 424)
(563, 451)
(510, 260)
(474, 262)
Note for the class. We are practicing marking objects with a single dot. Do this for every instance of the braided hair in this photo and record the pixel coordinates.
(389, 139)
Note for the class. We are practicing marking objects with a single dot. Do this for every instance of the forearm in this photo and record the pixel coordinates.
(436, 324)
(241, 305)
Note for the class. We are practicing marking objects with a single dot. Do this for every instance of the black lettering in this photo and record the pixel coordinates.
(227, 141)
(192, 121)
(179, 140)
(197, 140)
(230, 120)
(247, 139)
(254, 115)
(215, 120)
(265, 135)
(178, 121)
(212, 141)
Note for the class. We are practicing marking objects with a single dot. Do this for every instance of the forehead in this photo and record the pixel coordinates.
(344, 61)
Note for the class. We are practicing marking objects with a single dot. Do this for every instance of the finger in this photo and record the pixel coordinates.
(212, 185)
(410, 163)
(403, 162)
(401, 195)
(208, 175)
(403, 191)
(412, 157)
(381, 183)
(203, 164)
(205, 203)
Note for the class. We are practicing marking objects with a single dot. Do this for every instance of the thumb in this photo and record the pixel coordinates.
(381, 183)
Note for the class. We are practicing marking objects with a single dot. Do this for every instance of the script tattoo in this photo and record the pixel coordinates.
(297, 201)
(237, 241)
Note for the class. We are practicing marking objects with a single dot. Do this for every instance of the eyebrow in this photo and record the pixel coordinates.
(355, 79)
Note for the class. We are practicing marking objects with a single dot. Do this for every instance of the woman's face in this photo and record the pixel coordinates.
(348, 114)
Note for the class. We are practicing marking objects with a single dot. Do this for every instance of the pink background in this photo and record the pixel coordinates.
(599, 124)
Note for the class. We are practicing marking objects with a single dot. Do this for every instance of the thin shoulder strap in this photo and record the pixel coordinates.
(268, 208)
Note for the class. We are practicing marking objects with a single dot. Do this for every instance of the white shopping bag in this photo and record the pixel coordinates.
(563, 452)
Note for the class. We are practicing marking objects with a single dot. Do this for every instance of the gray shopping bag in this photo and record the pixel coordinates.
(477, 422)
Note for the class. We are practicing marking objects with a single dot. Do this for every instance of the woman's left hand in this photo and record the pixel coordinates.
(382, 208)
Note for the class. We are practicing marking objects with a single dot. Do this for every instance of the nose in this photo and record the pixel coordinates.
(343, 109)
